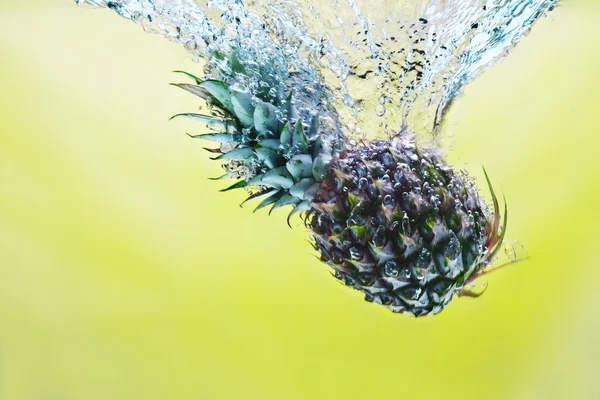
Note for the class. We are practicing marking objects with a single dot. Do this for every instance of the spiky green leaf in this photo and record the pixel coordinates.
(237, 185)
(239, 154)
(285, 200)
(216, 137)
(272, 144)
(265, 120)
(243, 108)
(322, 146)
(193, 89)
(220, 91)
(313, 131)
(495, 202)
(300, 207)
(270, 200)
(229, 175)
(199, 117)
(278, 177)
(312, 191)
(290, 112)
(193, 77)
(270, 157)
(286, 135)
(360, 231)
(256, 181)
(299, 138)
(319, 167)
(263, 194)
(213, 123)
(300, 166)
(236, 64)
(301, 187)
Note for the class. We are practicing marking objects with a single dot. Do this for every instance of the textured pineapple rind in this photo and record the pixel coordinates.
(396, 223)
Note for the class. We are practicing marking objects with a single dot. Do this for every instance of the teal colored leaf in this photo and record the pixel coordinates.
(220, 91)
(193, 89)
(286, 135)
(270, 157)
(312, 191)
(299, 139)
(236, 64)
(300, 166)
(269, 200)
(256, 181)
(239, 154)
(278, 177)
(290, 112)
(320, 167)
(263, 194)
(214, 151)
(216, 137)
(313, 131)
(213, 123)
(322, 146)
(300, 207)
(243, 108)
(285, 200)
(199, 117)
(301, 187)
(193, 77)
(226, 176)
(236, 185)
(270, 144)
(265, 120)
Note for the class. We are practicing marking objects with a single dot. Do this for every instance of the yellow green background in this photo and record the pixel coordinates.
(124, 274)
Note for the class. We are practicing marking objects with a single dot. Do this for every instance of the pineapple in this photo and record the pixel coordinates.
(391, 219)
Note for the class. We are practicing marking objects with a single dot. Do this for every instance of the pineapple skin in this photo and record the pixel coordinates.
(398, 224)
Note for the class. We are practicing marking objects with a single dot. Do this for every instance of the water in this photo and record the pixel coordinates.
(369, 67)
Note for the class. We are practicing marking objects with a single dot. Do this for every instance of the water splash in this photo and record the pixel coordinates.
(371, 67)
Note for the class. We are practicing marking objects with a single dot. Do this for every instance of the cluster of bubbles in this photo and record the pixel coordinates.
(379, 65)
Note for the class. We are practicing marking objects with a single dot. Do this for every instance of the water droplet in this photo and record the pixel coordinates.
(391, 268)
(356, 253)
(379, 237)
(389, 202)
(406, 224)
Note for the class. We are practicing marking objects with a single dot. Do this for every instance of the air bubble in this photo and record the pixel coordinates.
(391, 268)
(363, 183)
(356, 253)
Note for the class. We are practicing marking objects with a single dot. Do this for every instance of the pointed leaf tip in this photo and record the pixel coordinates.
(236, 185)
(193, 77)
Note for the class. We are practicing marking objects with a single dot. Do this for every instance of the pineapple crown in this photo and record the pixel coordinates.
(267, 148)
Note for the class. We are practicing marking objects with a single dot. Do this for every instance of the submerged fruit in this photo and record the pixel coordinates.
(391, 219)
(395, 222)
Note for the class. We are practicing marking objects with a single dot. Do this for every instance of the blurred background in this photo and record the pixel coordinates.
(124, 274)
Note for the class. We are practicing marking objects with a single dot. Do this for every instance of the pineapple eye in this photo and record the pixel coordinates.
(366, 278)
(379, 237)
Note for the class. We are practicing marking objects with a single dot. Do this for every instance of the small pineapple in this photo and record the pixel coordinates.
(392, 220)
